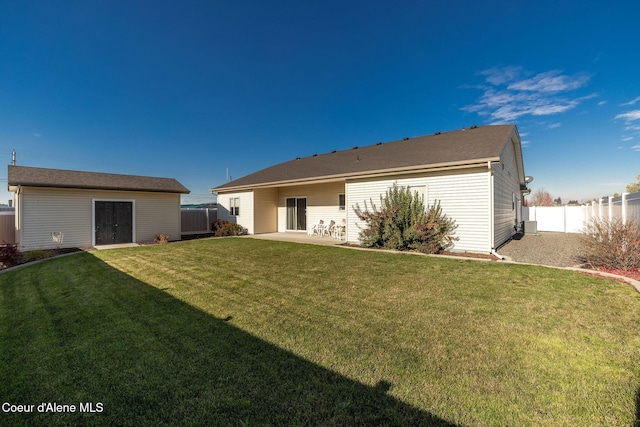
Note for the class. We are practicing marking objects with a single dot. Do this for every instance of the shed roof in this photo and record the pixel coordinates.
(58, 178)
(447, 149)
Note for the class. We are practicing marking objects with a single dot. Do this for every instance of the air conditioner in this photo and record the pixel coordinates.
(530, 227)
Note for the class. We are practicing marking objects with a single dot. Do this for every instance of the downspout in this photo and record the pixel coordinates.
(18, 221)
(491, 214)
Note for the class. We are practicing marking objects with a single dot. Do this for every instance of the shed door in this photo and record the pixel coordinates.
(114, 222)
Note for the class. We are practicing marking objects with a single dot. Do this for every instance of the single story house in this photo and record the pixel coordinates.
(64, 208)
(477, 174)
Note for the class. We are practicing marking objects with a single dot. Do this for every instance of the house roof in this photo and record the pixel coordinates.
(41, 177)
(456, 149)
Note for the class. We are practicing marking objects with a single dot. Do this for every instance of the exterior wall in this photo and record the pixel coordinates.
(70, 211)
(265, 210)
(464, 196)
(246, 217)
(322, 203)
(505, 187)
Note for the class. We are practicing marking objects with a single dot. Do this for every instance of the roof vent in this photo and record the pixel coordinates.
(406, 139)
(333, 151)
(438, 133)
(473, 127)
(297, 158)
(355, 148)
(379, 143)
(315, 155)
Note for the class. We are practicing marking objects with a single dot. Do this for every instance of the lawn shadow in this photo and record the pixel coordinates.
(637, 422)
(151, 359)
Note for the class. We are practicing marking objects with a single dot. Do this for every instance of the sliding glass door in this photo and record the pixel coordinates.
(296, 213)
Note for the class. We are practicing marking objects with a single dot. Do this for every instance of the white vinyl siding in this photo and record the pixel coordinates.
(322, 203)
(463, 197)
(70, 212)
(246, 217)
(505, 187)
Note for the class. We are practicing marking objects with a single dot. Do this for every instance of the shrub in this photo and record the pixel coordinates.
(9, 255)
(612, 244)
(161, 238)
(403, 223)
(222, 228)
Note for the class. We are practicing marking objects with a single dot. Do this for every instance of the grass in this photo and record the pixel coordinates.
(248, 332)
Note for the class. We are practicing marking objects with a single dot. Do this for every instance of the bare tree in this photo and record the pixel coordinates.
(541, 197)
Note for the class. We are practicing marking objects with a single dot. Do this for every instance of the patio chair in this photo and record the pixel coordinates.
(318, 229)
(332, 228)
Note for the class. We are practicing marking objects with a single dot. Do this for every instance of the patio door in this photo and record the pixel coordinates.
(297, 213)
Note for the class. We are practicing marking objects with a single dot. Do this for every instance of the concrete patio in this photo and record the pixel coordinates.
(297, 238)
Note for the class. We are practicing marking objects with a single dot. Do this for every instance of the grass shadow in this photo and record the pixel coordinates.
(98, 335)
(637, 422)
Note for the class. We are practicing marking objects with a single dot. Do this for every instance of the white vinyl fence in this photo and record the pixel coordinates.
(571, 219)
(563, 219)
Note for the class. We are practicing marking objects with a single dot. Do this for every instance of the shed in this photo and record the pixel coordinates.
(477, 174)
(67, 208)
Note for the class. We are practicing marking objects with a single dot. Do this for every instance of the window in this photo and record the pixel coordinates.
(341, 202)
(234, 206)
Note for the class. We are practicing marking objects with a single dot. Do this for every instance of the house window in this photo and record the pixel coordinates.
(234, 206)
(341, 202)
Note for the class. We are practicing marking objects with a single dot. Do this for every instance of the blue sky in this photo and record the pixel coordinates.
(188, 89)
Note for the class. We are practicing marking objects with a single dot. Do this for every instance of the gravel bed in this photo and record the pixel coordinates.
(556, 249)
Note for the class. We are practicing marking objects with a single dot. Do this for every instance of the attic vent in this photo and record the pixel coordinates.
(355, 148)
(297, 158)
(379, 143)
(406, 138)
(438, 133)
(315, 155)
(333, 151)
(473, 127)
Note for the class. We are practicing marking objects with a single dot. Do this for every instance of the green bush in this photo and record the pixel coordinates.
(403, 223)
(222, 228)
(612, 244)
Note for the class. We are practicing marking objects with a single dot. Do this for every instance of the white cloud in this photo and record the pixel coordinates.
(510, 94)
(627, 138)
(629, 116)
(636, 148)
(554, 125)
(601, 103)
(632, 102)
(551, 81)
(500, 76)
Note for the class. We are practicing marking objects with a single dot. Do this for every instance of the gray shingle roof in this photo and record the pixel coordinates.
(448, 148)
(41, 177)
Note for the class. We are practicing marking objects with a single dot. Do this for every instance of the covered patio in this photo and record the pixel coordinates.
(297, 238)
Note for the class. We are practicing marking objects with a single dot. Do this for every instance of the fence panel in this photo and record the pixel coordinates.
(195, 221)
(633, 207)
(561, 219)
(7, 227)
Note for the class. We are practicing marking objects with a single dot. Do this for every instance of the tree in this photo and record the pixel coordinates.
(541, 198)
(634, 187)
(557, 202)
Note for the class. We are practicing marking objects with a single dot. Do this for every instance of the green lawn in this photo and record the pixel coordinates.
(247, 332)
